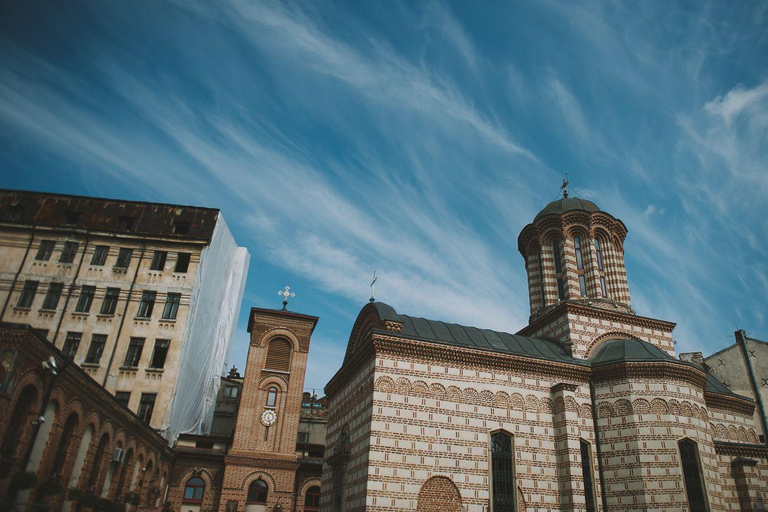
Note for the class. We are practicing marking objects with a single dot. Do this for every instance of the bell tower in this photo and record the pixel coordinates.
(577, 279)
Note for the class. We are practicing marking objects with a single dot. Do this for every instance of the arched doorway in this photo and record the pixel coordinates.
(439, 494)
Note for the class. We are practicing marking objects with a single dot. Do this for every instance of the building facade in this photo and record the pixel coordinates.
(144, 297)
(586, 408)
(68, 444)
(266, 451)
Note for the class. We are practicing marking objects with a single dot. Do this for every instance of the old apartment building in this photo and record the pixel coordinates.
(144, 297)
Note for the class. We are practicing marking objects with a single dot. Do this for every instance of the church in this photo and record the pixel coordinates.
(586, 408)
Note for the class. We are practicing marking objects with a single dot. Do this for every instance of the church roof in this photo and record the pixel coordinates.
(473, 337)
(565, 204)
(615, 351)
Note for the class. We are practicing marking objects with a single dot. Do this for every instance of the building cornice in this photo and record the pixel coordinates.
(741, 450)
(730, 402)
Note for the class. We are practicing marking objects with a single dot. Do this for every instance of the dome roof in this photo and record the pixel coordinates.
(566, 204)
(616, 351)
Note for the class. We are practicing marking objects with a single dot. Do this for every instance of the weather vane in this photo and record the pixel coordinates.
(286, 294)
(565, 184)
(373, 286)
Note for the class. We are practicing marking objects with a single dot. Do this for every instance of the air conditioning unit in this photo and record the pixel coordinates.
(118, 455)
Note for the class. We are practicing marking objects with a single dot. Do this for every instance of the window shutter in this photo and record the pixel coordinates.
(278, 356)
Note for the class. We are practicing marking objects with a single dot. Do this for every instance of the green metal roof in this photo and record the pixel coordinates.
(567, 204)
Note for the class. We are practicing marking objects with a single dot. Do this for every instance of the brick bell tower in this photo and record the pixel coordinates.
(260, 471)
(577, 280)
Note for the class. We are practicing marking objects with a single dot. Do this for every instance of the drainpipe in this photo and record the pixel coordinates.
(71, 288)
(603, 496)
(18, 272)
(742, 340)
(125, 310)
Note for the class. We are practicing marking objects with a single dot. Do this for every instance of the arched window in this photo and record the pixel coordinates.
(194, 491)
(272, 397)
(278, 355)
(127, 460)
(312, 499)
(96, 467)
(63, 448)
(599, 255)
(558, 269)
(694, 484)
(502, 469)
(580, 266)
(586, 473)
(257, 492)
(20, 412)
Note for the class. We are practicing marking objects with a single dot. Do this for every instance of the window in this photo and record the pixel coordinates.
(694, 486)
(312, 499)
(125, 223)
(61, 450)
(586, 473)
(146, 406)
(110, 301)
(45, 250)
(72, 218)
(124, 257)
(69, 252)
(133, 355)
(558, 269)
(71, 344)
(86, 299)
(158, 260)
(182, 263)
(123, 397)
(272, 397)
(257, 492)
(97, 460)
(27, 294)
(582, 285)
(147, 304)
(599, 254)
(98, 341)
(579, 259)
(52, 295)
(171, 306)
(18, 421)
(230, 391)
(503, 472)
(602, 286)
(100, 253)
(302, 437)
(278, 355)
(181, 227)
(194, 491)
(160, 353)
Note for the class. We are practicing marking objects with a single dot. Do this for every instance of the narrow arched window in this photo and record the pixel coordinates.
(272, 397)
(194, 491)
(127, 461)
(96, 466)
(278, 355)
(599, 255)
(558, 269)
(63, 448)
(579, 259)
(586, 473)
(312, 499)
(257, 492)
(18, 421)
(694, 484)
(503, 475)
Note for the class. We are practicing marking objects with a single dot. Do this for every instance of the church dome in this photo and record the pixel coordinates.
(619, 351)
(566, 204)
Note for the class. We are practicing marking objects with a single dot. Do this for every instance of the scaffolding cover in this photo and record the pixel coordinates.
(213, 312)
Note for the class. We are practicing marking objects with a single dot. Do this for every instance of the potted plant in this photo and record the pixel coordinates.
(50, 487)
(132, 498)
(23, 480)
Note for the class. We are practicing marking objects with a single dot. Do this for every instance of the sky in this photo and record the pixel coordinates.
(414, 138)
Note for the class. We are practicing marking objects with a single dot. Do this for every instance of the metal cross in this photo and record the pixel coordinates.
(565, 184)
(286, 294)
(373, 286)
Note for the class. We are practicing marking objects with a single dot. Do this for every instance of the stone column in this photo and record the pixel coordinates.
(565, 420)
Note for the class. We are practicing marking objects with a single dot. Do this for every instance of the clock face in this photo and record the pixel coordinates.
(268, 417)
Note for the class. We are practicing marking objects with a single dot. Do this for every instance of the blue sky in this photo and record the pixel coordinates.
(414, 138)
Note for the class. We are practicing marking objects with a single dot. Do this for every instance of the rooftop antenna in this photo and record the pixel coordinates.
(286, 294)
(564, 186)
(373, 287)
